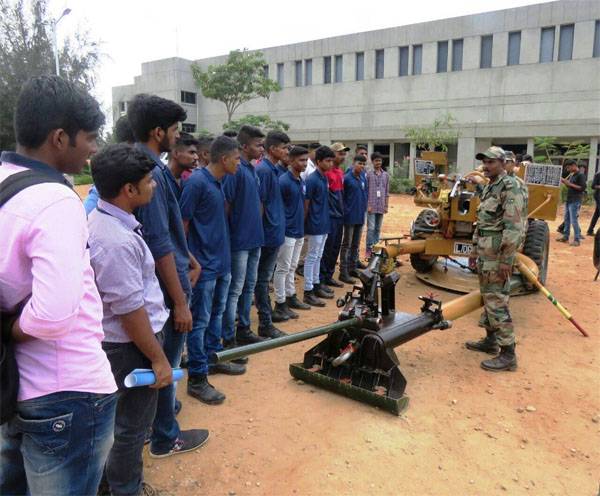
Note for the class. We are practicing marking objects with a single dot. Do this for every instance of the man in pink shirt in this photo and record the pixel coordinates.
(58, 441)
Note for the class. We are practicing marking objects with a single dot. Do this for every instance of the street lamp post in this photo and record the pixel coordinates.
(54, 23)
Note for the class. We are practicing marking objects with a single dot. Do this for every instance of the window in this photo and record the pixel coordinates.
(307, 72)
(514, 48)
(266, 71)
(485, 58)
(122, 107)
(457, 54)
(379, 63)
(403, 61)
(280, 74)
(442, 56)
(326, 70)
(565, 42)
(298, 69)
(547, 45)
(339, 74)
(188, 128)
(417, 62)
(188, 97)
(360, 66)
(596, 49)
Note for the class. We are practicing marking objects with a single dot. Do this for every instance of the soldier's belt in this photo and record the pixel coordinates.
(486, 232)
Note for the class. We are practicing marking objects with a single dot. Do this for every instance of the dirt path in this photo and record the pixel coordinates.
(466, 431)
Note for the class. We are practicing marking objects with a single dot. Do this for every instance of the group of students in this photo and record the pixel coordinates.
(169, 253)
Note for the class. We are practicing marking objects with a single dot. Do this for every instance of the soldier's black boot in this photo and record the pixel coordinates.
(279, 313)
(485, 345)
(506, 360)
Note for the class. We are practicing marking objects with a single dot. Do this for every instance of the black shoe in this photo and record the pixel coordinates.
(279, 314)
(589, 233)
(246, 336)
(506, 360)
(354, 273)
(198, 387)
(361, 265)
(270, 332)
(320, 292)
(300, 270)
(346, 278)
(332, 282)
(227, 345)
(184, 361)
(187, 441)
(562, 239)
(227, 368)
(289, 312)
(311, 299)
(294, 302)
(177, 407)
(485, 345)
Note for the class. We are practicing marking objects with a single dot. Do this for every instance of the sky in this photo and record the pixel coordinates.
(135, 31)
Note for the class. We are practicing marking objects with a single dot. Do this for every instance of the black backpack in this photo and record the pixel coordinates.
(9, 373)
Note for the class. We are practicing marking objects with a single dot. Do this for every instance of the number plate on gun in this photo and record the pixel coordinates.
(463, 249)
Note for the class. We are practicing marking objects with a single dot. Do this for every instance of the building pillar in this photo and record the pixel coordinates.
(391, 159)
(593, 161)
(371, 148)
(413, 156)
(530, 147)
(465, 155)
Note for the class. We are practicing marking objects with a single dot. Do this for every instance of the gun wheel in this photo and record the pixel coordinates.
(422, 263)
(537, 246)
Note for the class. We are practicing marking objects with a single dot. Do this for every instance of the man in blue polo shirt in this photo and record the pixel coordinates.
(207, 235)
(317, 224)
(355, 208)
(155, 124)
(293, 192)
(276, 148)
(246, 237)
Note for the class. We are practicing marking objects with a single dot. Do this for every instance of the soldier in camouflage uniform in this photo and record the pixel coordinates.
(499, 232)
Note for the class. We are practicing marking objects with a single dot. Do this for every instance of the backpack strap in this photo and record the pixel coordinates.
(21, 180)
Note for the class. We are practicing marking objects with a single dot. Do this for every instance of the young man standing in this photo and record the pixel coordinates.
(273, 221)
(183, 158)
(335, 178)
(293, 192)
(134, 309)
(378, 182)
(310, 164)
(242, 193)
(317, 225)
(60, 439)
(355, 207)
(204, 219)
(575, 183)
(362, 150)
(155, 124)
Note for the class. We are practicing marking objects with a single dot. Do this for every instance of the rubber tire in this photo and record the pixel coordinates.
(422, 265)
(537, 246)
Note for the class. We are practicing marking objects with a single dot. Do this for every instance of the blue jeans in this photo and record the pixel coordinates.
(165, 429)
(57, 444)
(332, 247)
(572, 218)
(208, 304)
(244, 268)
(374, 222)
(266, 266)
(312, 263)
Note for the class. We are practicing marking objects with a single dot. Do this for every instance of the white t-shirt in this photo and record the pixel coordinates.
(310, 168)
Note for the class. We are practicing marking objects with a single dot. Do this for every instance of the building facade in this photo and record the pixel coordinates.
(505, 77)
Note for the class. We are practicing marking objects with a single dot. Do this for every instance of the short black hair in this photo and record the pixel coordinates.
(360, 158)
(276, 138)
(376, 155)
(230, 133)
(361, 147)
(296, 151)
(147, 112)
(570, 161)
(324, 152)
(527, 158)
(185, 140)
(117, 165)
(314, 146)
(122, 131)
(46, 103)
(222, 145)
(519, 157)
(247, 133)
(205, 142)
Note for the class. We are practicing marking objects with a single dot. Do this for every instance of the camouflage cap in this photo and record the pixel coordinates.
(339, 147)
(492, 152)
(510, 156)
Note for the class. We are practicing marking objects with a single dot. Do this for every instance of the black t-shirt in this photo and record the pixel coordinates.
(574, 195)
(596, 182)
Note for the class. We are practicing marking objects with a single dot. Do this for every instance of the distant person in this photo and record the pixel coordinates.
(183, 158)
(203, 155)
(355, 208)
(205, 221)
(155, 123)
(60, 439)
(576, 184)
(379, 194)
(310, 165)
(317, 226)
(293, 193)
(133, 303)
(362, 150)
(596, 190)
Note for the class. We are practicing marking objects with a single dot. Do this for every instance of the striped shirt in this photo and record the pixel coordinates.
(379, 193)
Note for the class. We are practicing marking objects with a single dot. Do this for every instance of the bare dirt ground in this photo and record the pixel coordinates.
(466, 431)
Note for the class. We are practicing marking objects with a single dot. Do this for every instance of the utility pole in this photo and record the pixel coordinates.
(54, 23)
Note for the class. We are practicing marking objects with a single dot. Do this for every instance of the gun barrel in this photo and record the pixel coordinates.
(251, 349)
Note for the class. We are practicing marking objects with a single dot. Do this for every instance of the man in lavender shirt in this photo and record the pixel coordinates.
(377, 205)
(62, 433)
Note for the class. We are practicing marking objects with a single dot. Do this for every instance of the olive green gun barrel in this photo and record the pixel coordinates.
(270, 344)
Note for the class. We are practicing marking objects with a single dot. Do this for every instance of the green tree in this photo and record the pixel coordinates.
(439, 135)
(240, 79)
(26, 51)
(263, 122)
(549, 150)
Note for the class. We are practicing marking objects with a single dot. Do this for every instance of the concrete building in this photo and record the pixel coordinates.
(505, 76)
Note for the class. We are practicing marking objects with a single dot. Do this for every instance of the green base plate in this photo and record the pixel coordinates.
(395, 406)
